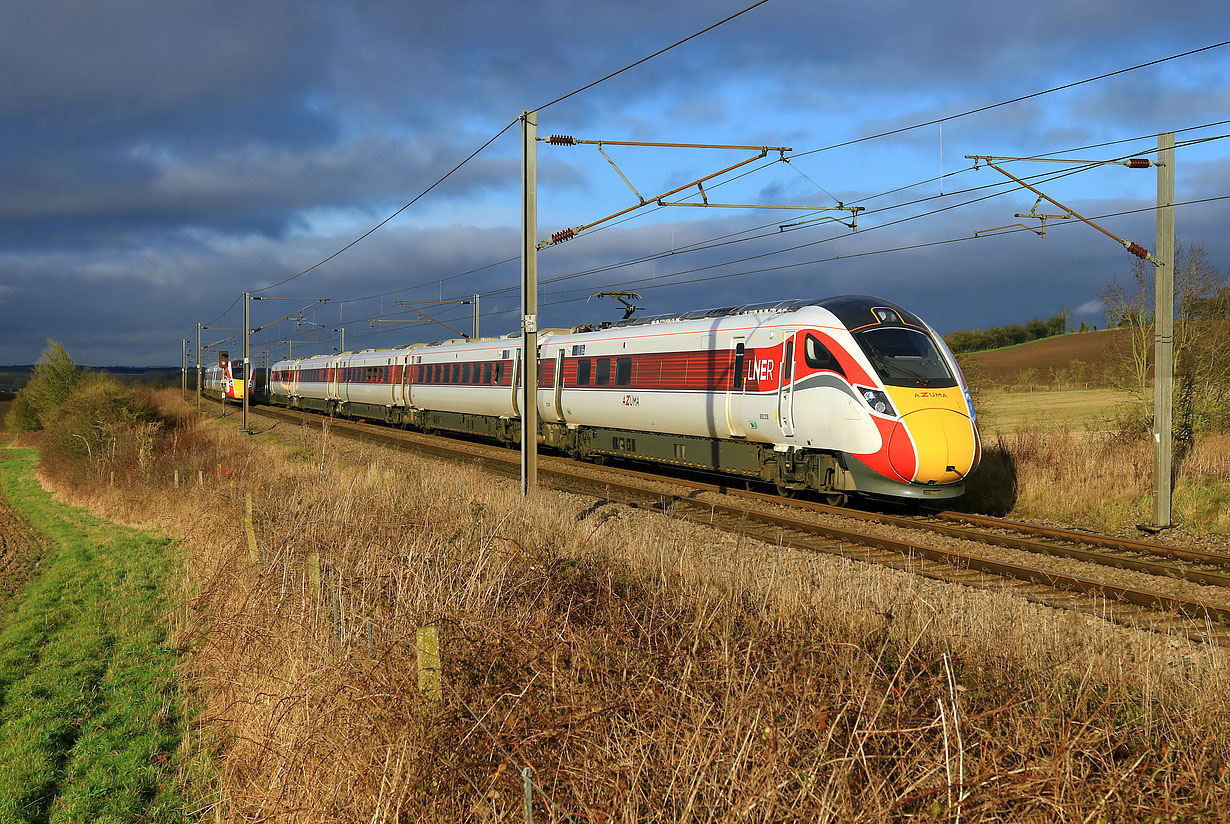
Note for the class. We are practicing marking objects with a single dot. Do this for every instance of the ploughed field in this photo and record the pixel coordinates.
(1002, 366)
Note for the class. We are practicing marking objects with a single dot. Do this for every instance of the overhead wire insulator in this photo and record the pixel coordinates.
(1137, 249)
(1138, 163)
(562, 235)
(562, 140)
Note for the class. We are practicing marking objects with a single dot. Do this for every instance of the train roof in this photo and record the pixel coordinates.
(852, 310)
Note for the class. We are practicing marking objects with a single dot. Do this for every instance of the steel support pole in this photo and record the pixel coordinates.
(183, 369)
(1163, 324)
(198, 367)
(529, 302)
(475, 337)
(247, 366)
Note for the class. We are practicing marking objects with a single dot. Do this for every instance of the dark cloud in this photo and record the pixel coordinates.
(162, 158)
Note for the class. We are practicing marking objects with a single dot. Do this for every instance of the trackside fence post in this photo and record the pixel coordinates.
(427, 646)
(337, 617)
(254, 554)
(527, 777)
(313, 571)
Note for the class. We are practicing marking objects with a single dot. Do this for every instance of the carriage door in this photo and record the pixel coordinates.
(405, 380)
(516, 382)
(559, 385)
(785, 386)
(734, 391)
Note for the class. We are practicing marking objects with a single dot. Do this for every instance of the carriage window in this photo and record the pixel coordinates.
(623, 371)
(602, 375)
(738, 376)
(499, 372)
(788, 361)
(818, 356)
(487, 372)
(583, 370)
(465, 373)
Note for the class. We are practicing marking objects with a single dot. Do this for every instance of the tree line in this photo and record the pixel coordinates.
(997, 337)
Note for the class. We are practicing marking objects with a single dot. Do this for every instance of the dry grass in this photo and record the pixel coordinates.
(1099, 480)
(646, 669)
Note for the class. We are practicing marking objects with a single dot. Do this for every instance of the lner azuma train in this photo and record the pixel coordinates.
(224, 381)
(844, 395)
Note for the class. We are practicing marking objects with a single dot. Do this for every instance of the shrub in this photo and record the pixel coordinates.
(55, 377)
(104, 426)
(21, 416)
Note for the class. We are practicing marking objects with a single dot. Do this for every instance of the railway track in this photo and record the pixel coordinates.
(1188, 591)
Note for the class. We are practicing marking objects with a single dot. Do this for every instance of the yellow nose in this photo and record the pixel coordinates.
(944, 446)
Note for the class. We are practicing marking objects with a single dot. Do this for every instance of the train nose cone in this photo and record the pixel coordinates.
(933, 446)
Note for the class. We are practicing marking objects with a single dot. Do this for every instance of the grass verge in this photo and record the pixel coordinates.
(644, 668)
(89, 713)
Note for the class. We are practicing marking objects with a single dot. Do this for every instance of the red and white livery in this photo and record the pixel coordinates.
(224, 381)
(842, 395)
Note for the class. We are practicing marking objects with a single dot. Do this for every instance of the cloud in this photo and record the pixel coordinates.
(172, 156)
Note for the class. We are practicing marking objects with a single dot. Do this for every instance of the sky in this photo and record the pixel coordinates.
(160, 159)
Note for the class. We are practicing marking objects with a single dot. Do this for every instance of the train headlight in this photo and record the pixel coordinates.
(878, 401)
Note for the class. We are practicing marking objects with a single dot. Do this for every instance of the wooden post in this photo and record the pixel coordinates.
(313, 563)
(200, 478)
(527, 776)
(254, 554)
(427, 643)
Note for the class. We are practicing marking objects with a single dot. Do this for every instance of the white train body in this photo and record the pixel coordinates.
(842, 395)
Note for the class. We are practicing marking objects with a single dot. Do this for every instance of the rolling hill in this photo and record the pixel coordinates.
(1049, 356)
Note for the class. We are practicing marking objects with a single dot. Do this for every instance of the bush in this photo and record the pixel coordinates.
(21, 416)
(102, 426)
(55, 377)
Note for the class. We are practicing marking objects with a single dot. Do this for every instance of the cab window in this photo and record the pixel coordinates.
(905, 357)
(818, 356)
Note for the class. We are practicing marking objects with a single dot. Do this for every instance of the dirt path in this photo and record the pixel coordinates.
(19, 551)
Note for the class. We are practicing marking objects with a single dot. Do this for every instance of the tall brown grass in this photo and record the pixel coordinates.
(643, 667)
(1099, 480)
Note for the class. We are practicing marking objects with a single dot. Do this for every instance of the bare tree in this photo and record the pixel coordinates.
(1201, 338)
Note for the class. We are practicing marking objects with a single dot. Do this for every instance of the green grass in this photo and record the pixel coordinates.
(89, 713)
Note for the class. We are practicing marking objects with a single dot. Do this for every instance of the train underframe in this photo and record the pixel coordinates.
(834, 475)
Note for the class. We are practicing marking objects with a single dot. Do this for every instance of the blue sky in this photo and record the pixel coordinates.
(161, 158)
